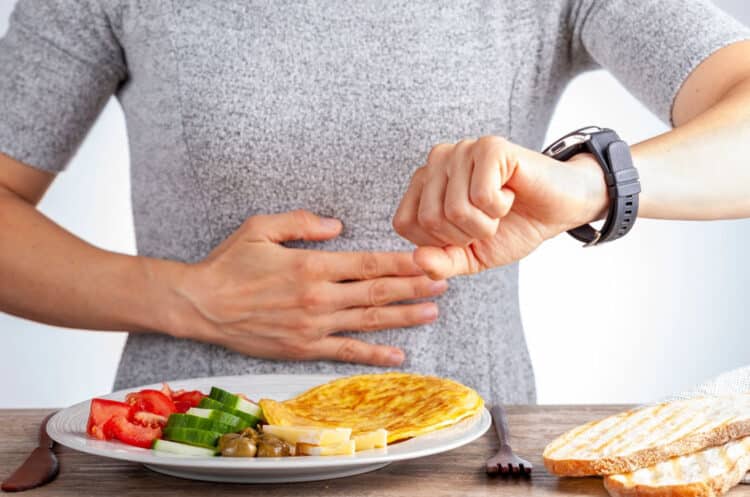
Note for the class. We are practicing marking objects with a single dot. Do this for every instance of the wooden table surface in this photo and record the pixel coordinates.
(456, 473)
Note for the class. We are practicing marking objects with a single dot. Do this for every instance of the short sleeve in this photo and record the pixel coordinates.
(60, 63)
(651, 46)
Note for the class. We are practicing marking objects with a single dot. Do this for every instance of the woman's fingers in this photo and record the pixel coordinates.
(458, 208)
(431, 214)
(338, 266)
(442, 263)
(347, 349)
(380, 318)
(405, 221)
(382, 291)
(490, 155)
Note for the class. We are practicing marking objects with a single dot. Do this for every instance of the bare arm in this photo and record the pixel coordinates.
(701, 169)
(502, 200)
(251, 294)
(55, 277)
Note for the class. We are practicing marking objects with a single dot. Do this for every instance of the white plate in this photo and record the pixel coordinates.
(68, 427)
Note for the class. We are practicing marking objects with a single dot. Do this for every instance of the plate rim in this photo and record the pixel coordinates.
(482, 419)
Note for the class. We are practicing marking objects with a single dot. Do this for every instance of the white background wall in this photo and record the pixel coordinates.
(633, 321)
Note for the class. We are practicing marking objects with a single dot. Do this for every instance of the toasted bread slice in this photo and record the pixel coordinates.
(708, 473)
(643, 437)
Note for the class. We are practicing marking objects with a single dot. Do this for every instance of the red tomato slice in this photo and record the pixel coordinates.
(152, 401)
(102, 410)
(131, 433)
(193, 397)
(182, 407)
(144, 418)
(166, 390)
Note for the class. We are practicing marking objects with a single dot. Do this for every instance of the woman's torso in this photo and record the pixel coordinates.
(239, 108)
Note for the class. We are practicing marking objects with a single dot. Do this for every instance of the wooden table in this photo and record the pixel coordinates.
(456, 473)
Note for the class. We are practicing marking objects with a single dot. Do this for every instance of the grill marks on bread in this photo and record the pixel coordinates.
(646, 436)
(707, 473)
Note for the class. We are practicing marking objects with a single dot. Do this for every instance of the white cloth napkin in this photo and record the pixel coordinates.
(736, 381)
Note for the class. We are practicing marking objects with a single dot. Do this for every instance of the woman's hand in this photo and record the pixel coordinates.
(260, 298)
(484, 203)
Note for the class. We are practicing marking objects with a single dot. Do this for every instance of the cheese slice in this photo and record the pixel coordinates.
(309, 435)
(342, 449)
(371, 439)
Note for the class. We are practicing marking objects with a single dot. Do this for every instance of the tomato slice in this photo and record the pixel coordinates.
(144, 418)
(131, 433)
(153, 401)
(101, 411)
(186, 400)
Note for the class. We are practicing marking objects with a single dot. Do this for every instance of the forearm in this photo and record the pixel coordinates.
(700, 170)
(51, 276)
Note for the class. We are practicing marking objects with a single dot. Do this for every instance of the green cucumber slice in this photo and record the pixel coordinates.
(235, 402)
(189, 420)
(207, 403)
(167, 447)
(237, 423)
(193, 436)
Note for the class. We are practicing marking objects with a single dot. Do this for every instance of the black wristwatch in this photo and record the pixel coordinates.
(623, 187)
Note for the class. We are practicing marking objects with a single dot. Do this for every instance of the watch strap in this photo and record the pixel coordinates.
(621, 177)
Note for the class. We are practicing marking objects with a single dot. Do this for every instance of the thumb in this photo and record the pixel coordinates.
(293, 225)
(442, 263)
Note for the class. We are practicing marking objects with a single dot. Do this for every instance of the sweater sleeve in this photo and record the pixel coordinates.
(60, 63)
(651, 46)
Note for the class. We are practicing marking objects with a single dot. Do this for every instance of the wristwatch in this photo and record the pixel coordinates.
(623, 187)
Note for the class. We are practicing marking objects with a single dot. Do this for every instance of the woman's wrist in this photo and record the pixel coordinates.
(595, 197)
(171, 312)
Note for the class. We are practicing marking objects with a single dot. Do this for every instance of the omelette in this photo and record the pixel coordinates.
(405, 404)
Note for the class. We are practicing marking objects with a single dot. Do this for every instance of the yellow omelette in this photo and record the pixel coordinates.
(405, 404)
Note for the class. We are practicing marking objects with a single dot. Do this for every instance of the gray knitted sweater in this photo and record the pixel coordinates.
(236, 108)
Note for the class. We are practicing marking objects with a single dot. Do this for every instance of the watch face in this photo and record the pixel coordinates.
(570, 144)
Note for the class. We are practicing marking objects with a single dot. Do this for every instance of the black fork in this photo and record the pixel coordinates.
(505, 462)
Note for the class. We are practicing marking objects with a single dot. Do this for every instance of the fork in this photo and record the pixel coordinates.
(505, 461)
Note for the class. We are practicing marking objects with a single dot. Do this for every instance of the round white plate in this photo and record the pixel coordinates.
(68, 427)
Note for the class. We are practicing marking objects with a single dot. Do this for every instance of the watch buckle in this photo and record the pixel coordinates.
(595, 240)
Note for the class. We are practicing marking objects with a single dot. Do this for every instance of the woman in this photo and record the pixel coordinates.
(271, 143)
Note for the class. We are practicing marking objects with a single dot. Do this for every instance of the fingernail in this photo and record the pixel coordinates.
(395, 357)
(438, 286)
(430, 312)
(330, 223)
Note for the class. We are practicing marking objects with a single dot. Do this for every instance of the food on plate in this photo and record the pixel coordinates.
(236, 402)
(710, 472)
(178, 449)
(309, 435)
(252, 443)
(130, 432)
(646, 436)
(208, 403)
(153, 401)
(101, 411)
(193, 436)
(377, 439)
(139, 420)
(346, 448)
(239, 444)
(406, 405)
(339, 418)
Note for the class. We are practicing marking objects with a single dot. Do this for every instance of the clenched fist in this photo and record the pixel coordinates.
(483, 203)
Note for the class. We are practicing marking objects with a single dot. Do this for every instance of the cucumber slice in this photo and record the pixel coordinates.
(189, 420)
(207, 403)
(235, 402)
(178, 449)
(223, 417)
(193, 436)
